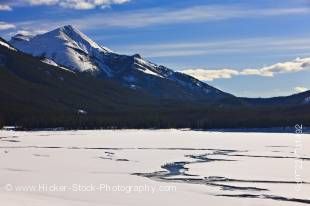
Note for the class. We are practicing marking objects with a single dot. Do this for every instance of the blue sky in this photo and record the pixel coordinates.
(249, 48)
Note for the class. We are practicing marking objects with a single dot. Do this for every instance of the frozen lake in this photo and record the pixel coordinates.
(153, 167)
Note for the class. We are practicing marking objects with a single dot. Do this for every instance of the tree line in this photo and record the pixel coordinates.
(194, 118)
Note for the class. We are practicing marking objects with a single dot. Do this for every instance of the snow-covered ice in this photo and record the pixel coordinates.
(170, 167)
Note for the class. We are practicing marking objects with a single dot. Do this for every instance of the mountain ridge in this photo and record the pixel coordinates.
(68, 47)
(75, 39)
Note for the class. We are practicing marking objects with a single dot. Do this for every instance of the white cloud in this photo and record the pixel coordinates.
(300, 89)
(297, 65)
(6, 26)
(210, 75)
(4, 7)
(78, 4)
(203, 13)
(42, 2)
(28, 32)
(234, 46)
(155, 16)
(251, 72)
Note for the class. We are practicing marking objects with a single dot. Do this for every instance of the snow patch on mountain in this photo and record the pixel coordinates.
(144, 66)
(151, 68)
(147, 71)
(2, 43)
(141, 61)
(49, 61)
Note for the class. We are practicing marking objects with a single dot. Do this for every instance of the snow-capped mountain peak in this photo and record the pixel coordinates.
(67, 46)
(75, 36)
